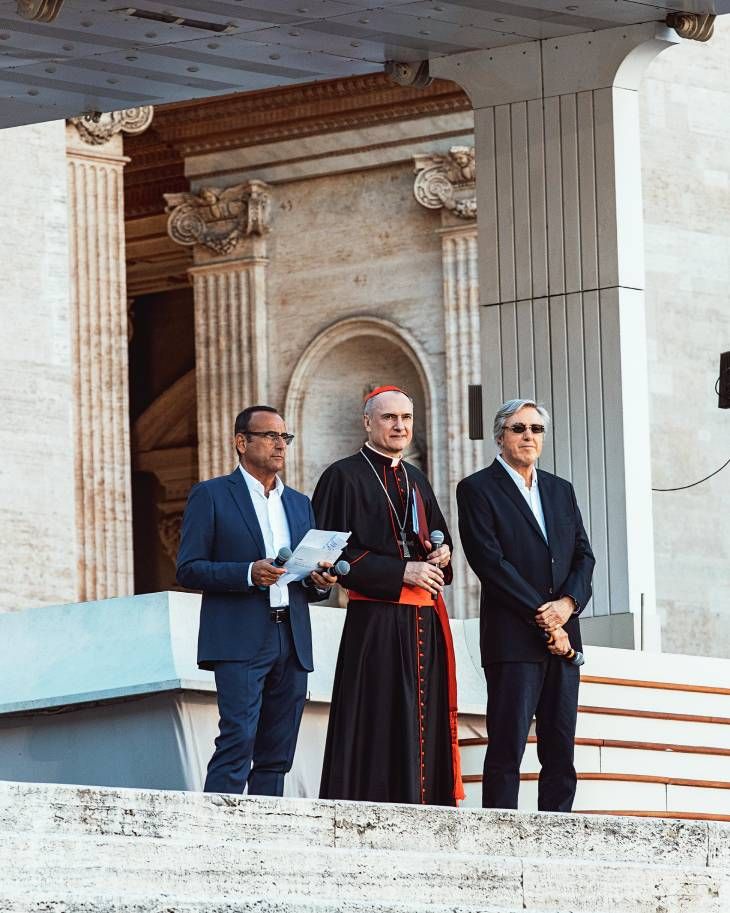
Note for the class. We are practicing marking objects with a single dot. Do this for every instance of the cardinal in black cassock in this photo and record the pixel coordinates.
(392, 734)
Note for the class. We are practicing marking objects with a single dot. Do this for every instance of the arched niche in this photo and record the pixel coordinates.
(324, 400)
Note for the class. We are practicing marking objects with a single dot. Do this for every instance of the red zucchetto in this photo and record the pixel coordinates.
(388, 389)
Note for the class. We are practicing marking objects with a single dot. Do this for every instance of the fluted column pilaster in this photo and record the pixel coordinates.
(447, 183)
(461, 322)
(227, 231)
(99, 344)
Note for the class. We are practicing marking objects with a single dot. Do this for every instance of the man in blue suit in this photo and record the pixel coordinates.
(255, 633)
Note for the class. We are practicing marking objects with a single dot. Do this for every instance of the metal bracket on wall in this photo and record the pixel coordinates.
(476, 416)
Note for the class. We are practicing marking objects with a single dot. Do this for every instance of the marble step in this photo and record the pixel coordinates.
(182, 870)
(31, 811)
(154, 903)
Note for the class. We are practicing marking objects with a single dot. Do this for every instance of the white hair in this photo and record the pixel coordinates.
(369, 406)
(508, 409)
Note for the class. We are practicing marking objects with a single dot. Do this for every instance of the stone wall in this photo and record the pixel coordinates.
(37, 560)
(346, 246)
(685, 107)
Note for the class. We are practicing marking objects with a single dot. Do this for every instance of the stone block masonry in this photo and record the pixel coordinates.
(38, 560)
(85, 848)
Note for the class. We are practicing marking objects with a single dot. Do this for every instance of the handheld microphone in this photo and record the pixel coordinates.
(283, 556)
(281, 559)
(340, 569)
(575, 657)
(437, 538)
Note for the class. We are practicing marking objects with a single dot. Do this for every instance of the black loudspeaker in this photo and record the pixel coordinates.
(723, 382)
(476, 421)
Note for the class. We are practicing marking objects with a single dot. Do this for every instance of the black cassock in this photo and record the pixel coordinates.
(389, 737)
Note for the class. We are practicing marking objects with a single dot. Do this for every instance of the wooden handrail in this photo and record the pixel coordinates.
(621, 743)
(659, 686)
(637, 813)
(623, 778)
(654, 715)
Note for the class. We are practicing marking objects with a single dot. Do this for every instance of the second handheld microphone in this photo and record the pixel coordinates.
(284, 554)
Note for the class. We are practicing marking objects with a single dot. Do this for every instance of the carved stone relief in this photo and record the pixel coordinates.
(169, 527)
(219, 219)
(447, 181)
(39, 10)
(694, 26)
(97, 129)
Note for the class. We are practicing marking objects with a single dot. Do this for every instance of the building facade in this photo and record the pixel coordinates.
(299, 246)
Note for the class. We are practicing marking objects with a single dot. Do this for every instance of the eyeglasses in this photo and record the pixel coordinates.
(271, 436)
(520, 428)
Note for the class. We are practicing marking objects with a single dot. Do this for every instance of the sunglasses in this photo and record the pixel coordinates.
(520, 428)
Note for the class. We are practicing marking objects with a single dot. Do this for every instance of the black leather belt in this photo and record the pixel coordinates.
(279, 615)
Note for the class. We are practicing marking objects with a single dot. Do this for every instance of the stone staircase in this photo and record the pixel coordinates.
(70, 849)
(653, 738)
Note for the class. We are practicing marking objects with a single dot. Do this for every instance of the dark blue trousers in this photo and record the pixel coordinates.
(515, 693)
(260, 702)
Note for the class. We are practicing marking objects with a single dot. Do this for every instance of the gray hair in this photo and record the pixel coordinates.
(508, 409)
(369, 406)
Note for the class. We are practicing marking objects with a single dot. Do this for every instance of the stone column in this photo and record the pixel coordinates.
(562, 277)
(227, 229)
(446, 183)
(99, 341)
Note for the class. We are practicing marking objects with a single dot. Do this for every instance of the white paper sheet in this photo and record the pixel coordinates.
(317, 545)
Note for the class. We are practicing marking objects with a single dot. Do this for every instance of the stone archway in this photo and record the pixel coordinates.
(324, 400)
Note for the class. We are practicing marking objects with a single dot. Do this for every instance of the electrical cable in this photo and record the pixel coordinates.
(692, 484)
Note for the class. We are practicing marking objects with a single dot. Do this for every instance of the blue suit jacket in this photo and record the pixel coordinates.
(221, 538)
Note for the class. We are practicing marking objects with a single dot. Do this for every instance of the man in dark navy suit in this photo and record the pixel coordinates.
(255, 633)
(523, 536)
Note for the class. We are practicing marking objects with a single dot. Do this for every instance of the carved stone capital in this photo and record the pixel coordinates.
(219, 219)
(447, 181)
(415, 75)
(695, 26)
(97, 129)
(39, 10)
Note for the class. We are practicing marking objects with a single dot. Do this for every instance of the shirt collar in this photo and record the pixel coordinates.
(516, 477)
(385, 458)
(255, 486)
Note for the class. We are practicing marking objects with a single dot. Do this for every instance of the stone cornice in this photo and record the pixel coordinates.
(255, 117)
(252, 118)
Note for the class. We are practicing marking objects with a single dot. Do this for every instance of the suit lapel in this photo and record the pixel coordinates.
(512, 492)
(296, 531)
(545, 488)
(242, 497)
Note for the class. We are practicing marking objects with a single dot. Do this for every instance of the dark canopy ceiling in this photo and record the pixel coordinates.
(104, 55)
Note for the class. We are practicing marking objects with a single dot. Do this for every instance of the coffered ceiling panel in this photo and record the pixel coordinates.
(100, 55)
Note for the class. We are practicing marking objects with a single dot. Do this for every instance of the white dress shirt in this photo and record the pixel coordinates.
(274, 528)
(531, 493)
